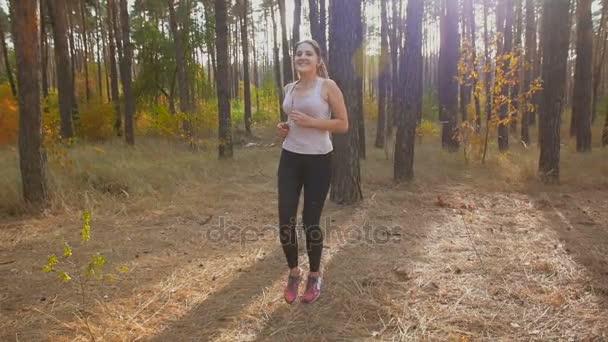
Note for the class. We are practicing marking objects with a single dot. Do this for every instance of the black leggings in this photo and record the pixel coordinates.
(313, 172)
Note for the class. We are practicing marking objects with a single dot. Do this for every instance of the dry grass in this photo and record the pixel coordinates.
(476, 252)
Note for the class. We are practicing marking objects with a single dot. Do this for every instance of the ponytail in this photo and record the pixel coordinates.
(322, 69)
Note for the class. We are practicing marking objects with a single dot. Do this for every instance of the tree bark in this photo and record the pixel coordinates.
(383, 75)
(600, 55)
(31, 156)
(246, 78)
(7, 65)
(113, 69)
(323, 25)
(223, 82)
(583, 88)
(180, 60)
(555, 52)
(126, 73)
(530, 53)
(504, 113)
(315, 25)
(297, 16)
(86, 49)
(44, 58)
(448, 65)
(57, 12)
(277, 64)
(517, 54)
(344, 42)
(408, 116)
(287, 63)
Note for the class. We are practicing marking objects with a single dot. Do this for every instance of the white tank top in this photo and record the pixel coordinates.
(306, 140)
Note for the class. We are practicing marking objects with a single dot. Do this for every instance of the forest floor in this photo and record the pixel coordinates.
(464, 252)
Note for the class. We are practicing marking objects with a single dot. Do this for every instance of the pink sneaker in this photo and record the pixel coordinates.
(291, 290)
(313, 289)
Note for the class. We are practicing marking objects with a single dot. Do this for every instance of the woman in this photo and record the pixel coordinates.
(306, 162)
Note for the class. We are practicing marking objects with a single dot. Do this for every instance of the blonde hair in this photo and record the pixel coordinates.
(321, 68)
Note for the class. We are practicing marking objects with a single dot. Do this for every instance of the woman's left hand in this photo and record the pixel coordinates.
(302, 119)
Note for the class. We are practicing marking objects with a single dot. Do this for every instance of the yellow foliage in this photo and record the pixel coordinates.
(96, 121)
(9, 116)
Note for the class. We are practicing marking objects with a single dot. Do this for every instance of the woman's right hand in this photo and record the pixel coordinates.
(282, 129)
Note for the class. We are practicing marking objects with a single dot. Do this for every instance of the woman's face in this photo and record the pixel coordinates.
(306, 59)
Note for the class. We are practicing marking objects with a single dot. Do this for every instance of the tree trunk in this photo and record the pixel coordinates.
(44, 59)
(605, 131)
(223, 81)
(180, 60)
(555, 53)
(104, 49)
(448, 65)
(72, 50)
(113, 69)
(359, 80)
(504, 114)
(57, 12)
(256, 75)
(600, 54)
(537, 69)
(383, 74)
(277, 65)
(517, 54)
(487, 64)
(99, 48)
(530, 54)
(323, 25)
(297, 15)
(287, 63)
(86, 49)
(465, 87)
(315, 24)
(125, 72)
(344, 42)
(408, 117)
(581, 106)
(246, 78)
(31, 156)
(7, 65)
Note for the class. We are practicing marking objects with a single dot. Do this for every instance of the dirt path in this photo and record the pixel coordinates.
(435, 262)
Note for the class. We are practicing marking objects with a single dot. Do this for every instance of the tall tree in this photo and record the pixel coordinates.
(529, 76)
(315, 24)
(7, 65)
(65, 85)
(600, 56)
(517, 72)
(222, 80)
(113, 69)
(44, 56)
(344, 40)
(180, 60)
(125, 73)
(555, 52)
(277, 64)
(581, 105)
(383, 75)
(83, 23)
(505, 60)
(297, 16)
(287, 63)
(323, 25)
(246, 79)
(448, 64)
(408, 117)
(31, 156)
